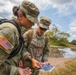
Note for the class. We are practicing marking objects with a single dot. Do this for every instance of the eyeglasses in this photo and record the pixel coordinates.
(44, 29)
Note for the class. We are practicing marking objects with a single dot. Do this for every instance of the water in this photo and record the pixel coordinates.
(68, 53)
(63, 52)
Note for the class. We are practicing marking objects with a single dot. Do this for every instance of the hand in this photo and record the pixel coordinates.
(20, 64)
(26, 71)
(35, 63)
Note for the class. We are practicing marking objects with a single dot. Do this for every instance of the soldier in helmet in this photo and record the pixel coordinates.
(37, 45)
(26, 14)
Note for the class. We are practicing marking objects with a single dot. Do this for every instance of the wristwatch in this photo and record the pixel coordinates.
(30, 58)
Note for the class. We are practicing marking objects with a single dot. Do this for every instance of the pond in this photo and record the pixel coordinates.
(63, 52)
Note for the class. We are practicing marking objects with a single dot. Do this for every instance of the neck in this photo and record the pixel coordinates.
(17, 21)
(37, 32)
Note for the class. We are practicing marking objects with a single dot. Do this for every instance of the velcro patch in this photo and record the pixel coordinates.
(5, 43)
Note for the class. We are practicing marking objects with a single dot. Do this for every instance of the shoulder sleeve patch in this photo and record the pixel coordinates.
(5, 43)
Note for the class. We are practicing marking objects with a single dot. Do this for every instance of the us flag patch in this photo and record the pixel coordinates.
(5, 43)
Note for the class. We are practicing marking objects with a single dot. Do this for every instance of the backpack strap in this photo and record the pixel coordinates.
(30, 35)
(21, 40)
(46, 39)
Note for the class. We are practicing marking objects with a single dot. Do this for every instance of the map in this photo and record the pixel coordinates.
(47, 67)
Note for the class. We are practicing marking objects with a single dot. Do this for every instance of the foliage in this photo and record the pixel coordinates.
(63, 42)
(73, 42)
(57, 37)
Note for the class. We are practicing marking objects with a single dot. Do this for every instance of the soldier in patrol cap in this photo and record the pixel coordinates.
(26, 14)
(37, 49)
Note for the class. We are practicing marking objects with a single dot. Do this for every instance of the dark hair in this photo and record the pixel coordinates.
(16, 9)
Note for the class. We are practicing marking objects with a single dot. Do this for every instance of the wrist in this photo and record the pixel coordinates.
(30, 58)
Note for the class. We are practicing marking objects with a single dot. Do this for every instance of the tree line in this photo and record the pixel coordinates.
(57, 37)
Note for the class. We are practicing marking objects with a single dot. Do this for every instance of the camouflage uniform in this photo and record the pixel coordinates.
(38, 47)
(8, 31)
(11, 34)
(23, 30)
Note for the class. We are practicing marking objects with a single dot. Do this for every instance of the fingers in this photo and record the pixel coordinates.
(20, 64)
(39, 64)
(36, 64)
(27, 71)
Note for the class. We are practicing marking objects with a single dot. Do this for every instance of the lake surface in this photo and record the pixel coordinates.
(63, 52)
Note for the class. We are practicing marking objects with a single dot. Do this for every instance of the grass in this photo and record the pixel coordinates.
(68, 45)
(68, 69)
(71, 46)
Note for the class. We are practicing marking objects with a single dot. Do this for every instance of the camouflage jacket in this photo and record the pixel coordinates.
(37, 48)
(10, 36)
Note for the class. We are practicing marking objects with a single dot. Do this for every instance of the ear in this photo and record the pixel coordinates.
(20, 15)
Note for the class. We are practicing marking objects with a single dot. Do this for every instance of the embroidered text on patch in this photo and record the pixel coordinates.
(5, 43)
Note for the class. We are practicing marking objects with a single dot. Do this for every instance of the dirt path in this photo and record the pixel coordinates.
(59, 62)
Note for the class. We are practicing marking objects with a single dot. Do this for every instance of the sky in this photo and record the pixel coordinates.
(61, 12)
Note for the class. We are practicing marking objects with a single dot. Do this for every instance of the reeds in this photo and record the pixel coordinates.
(68, 69)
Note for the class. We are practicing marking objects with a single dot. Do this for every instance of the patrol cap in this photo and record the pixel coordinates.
(44, 22)
(30, 10)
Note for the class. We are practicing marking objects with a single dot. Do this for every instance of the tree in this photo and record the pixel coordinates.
(64, 35)
(57, 37)
(73, 42)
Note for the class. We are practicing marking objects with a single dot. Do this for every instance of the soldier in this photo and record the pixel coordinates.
(26, 14)
(37, 45)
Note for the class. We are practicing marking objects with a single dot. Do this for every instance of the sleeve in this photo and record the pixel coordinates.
(14, 70)
(46, 51)
(7, 37)
(8, 69)
(25, 52)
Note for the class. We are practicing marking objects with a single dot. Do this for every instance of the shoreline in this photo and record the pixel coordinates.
(69, 46)
(60, 61)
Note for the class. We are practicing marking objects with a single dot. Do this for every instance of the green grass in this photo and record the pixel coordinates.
(69, 69)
